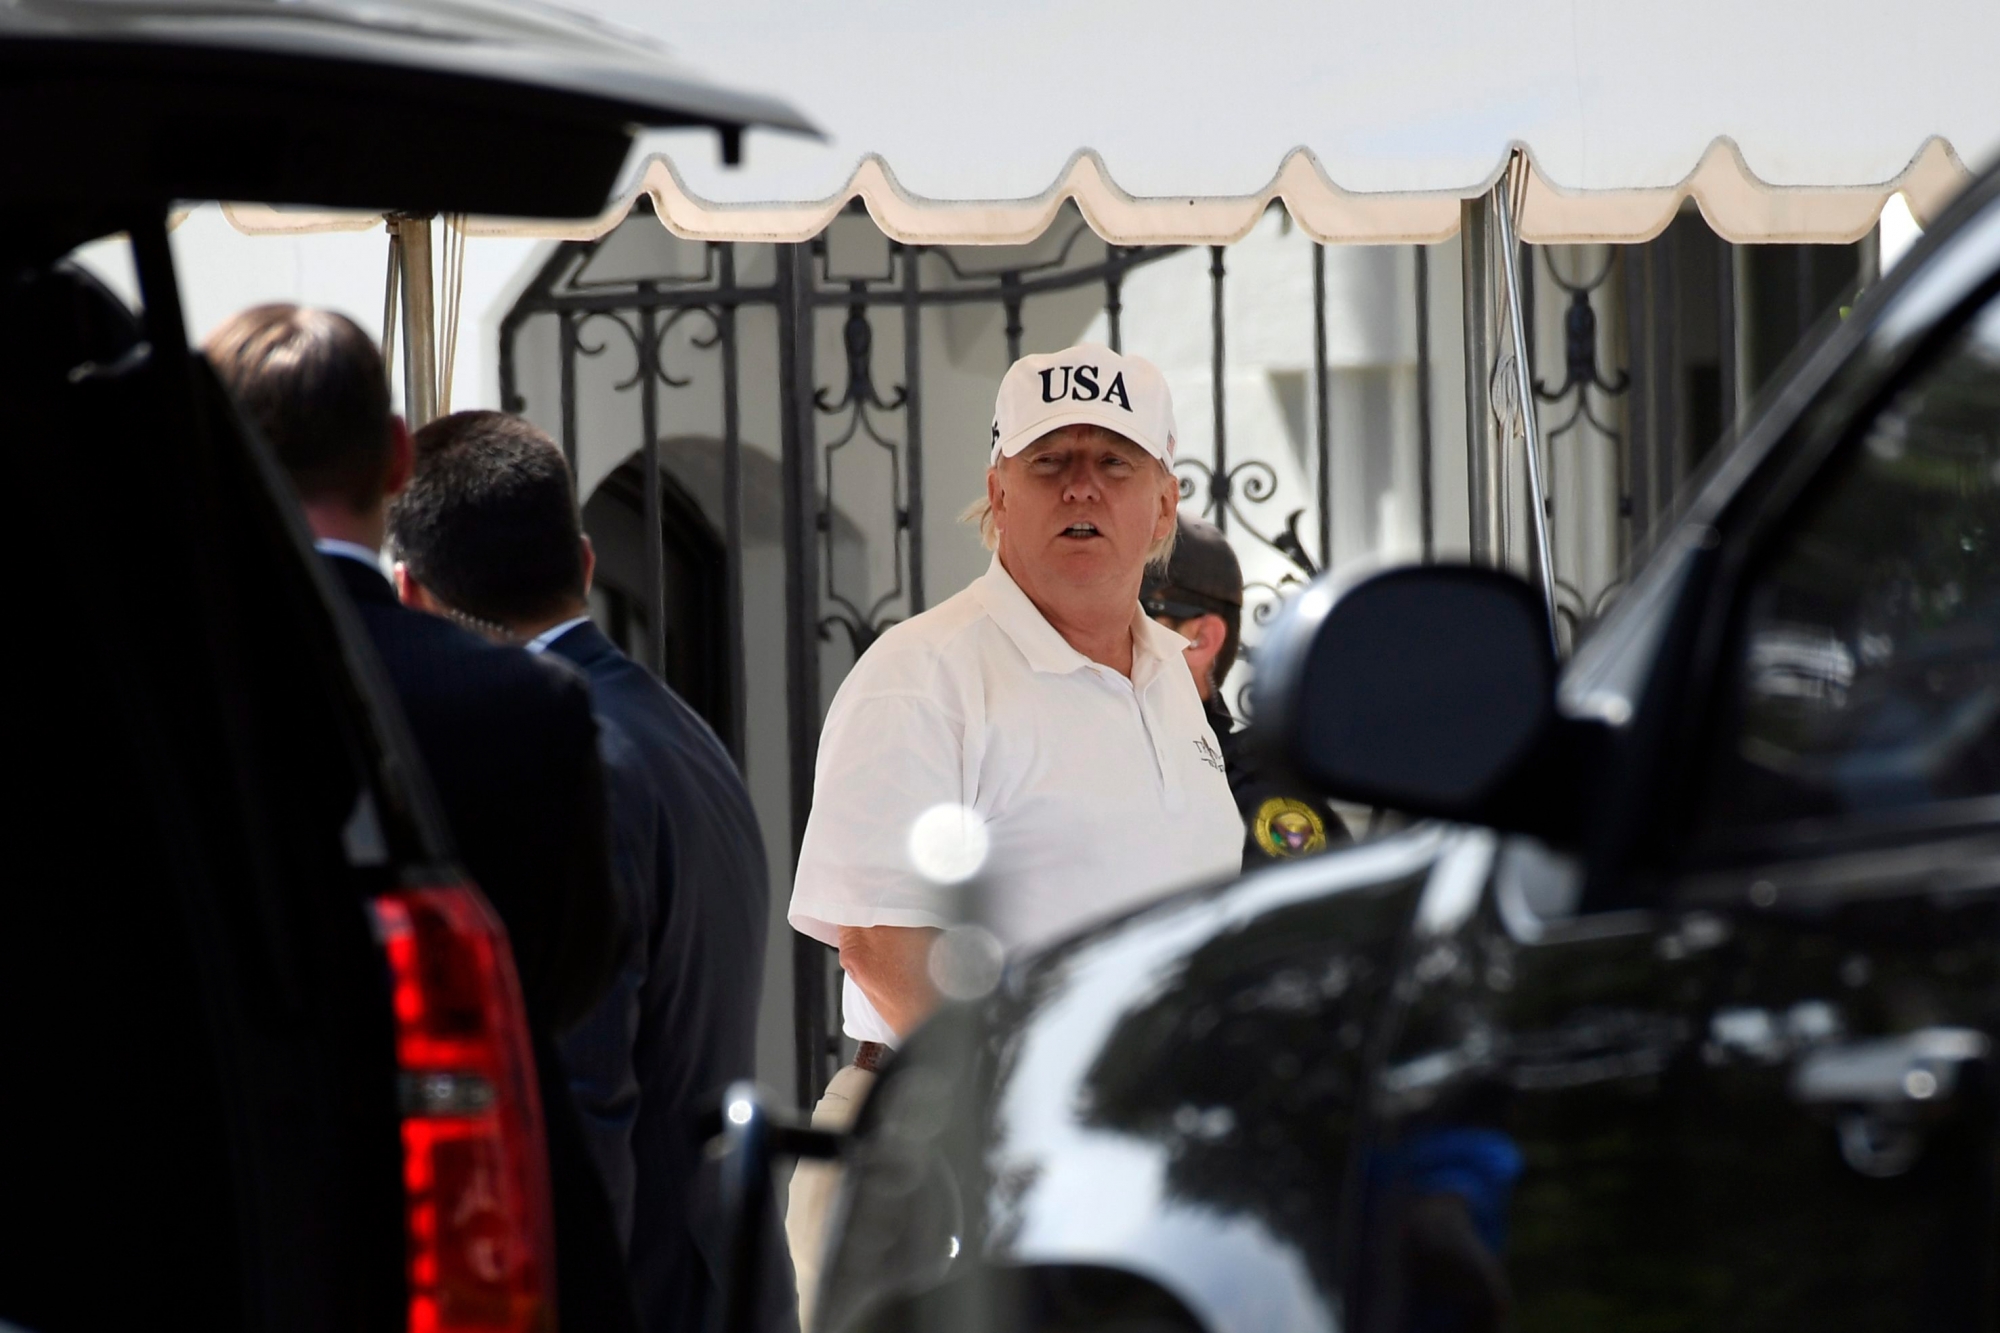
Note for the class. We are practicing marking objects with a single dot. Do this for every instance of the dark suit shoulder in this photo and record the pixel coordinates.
(439, 654)
(511, 746)
(706, 811)
(629, 695)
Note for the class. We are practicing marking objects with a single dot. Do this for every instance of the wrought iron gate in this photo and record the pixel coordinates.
(831, 415)
(820, 422)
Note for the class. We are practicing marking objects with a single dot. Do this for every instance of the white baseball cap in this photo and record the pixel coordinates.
(1078, 386)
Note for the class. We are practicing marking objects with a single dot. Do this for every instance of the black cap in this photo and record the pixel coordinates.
(1201, 579)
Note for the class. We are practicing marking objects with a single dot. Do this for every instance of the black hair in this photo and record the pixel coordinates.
(489, 521)
(313, 385)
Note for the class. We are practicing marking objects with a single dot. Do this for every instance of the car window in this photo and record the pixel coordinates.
(1869, 669)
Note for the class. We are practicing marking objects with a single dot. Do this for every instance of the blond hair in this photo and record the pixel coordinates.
(980, 512)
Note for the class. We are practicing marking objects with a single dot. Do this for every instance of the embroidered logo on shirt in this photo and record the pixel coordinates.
(1208, 754)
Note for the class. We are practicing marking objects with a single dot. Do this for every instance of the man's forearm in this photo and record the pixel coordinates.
(891, 964)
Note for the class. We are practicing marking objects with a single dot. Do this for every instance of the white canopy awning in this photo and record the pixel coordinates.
(1179, 121)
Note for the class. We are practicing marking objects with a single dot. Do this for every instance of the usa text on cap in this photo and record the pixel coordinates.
(1085, 385)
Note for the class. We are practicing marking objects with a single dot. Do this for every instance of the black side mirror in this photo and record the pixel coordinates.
(1428, 689)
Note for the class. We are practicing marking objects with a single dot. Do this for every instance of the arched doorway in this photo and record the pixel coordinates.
(694, 577)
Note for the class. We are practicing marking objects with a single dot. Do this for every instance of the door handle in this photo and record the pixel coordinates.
(1914, 1069)
(1884, 1090)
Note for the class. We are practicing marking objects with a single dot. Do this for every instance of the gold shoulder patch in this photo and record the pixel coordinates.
(1285, 827)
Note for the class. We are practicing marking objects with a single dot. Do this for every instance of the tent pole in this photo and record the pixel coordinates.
(1482, 438)
(419, 331)
(1426, 506)
(1531, 435)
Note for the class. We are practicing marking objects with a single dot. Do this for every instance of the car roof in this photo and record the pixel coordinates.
(503, 107)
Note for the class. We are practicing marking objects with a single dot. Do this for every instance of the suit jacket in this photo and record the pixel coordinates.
(511, 749)
(680, 1023)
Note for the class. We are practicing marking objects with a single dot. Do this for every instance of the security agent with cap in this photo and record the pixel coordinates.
(1199, 595)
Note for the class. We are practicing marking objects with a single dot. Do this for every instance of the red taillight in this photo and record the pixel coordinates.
(475, 1171)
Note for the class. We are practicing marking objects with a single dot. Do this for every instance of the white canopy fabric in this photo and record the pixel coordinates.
(1179, 121)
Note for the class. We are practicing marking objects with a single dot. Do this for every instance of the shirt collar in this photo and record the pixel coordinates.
(1154, 647)
(541, 642)
(1153, 644)
(349, 551)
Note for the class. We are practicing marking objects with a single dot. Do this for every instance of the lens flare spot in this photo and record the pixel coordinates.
(948, 844)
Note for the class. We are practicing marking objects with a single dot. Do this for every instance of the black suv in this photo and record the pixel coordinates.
(263, 1064)
(1681, 1010)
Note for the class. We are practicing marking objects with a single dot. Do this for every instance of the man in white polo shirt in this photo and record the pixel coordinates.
(1043, 699)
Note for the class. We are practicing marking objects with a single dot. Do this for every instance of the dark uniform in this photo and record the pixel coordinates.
(1281, 818)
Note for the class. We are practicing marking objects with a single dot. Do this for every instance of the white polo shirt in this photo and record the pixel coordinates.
(1099, 793)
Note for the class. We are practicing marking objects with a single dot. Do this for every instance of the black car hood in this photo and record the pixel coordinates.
(1172, 1096)
(501, 107)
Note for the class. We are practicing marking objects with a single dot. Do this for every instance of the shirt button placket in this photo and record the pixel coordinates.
(1162, 765)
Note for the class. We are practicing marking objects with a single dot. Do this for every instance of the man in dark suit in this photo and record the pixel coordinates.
(508, 741)
(488, 532)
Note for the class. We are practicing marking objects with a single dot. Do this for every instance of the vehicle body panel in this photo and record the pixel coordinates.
(494, 107)
(1654, 1077)
(1093, 1114)
(202, 1096)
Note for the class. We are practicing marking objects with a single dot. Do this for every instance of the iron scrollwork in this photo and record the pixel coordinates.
(1581, 374)
(1256, 482)
(566, 287)
(860, 401)
(1253, 478)
(650, 359)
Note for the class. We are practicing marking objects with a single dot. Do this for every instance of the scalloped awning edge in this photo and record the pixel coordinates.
(1741, 208)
